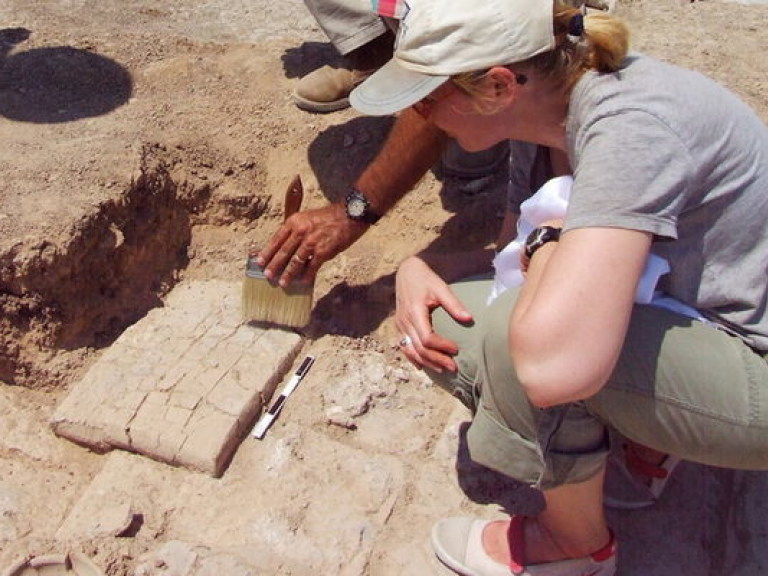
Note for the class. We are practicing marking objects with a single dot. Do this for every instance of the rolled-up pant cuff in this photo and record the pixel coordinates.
(496, 446)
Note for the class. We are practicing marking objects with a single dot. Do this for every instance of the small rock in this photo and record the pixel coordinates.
(337, 416)
(401, 375)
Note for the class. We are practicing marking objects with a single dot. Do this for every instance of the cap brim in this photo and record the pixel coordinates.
(393, 88)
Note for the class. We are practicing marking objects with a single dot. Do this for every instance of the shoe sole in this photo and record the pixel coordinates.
(320, 107)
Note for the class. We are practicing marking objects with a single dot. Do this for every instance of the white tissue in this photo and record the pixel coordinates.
(548, 203)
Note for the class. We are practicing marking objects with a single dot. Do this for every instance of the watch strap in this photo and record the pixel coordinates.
(540, 236)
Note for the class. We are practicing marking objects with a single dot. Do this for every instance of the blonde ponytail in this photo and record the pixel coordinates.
(608, 42)
(602, 44)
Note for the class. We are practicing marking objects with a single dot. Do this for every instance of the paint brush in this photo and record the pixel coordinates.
(267, 302)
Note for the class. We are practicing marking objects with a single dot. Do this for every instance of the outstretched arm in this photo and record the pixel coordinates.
(315, 236)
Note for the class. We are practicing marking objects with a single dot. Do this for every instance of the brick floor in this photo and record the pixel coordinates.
(183, 385)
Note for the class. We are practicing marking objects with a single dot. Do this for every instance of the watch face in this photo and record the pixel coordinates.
(359, 209)
(356, 207)
(540, 236)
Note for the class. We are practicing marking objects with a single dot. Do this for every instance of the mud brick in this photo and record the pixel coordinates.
(228, 395)
(180, 385)
(211, 435)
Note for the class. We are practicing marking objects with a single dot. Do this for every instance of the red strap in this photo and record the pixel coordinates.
(516, 539)
(640, 466)
(606, 551)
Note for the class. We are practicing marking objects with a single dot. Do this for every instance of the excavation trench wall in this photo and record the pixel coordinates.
(116, 265)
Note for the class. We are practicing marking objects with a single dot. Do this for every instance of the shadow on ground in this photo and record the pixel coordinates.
(302, 60)
(353, 310)
(340, 153)
(337, 156)
(57, 84)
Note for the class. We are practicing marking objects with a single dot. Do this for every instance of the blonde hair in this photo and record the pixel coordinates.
(602, 46)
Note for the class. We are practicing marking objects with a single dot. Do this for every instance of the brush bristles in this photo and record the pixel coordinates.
(268, 303)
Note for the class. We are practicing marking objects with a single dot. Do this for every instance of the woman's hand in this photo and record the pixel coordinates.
(419, 291)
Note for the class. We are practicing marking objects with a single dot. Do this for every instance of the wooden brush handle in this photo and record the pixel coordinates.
(293, 196)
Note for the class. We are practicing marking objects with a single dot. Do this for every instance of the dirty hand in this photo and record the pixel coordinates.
(419, 291)
(305, 241)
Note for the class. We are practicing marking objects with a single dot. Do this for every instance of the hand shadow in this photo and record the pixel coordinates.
(353, 311)
(57, 84)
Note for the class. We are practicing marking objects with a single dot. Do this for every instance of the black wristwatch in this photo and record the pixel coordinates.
(539, 237)
(359, 208)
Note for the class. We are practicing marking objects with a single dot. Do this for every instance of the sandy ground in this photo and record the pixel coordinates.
(147, 143)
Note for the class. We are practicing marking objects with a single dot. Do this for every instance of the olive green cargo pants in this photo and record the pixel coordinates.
(680, 386)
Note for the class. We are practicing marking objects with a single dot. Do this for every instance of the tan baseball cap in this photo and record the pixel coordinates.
(439, 38)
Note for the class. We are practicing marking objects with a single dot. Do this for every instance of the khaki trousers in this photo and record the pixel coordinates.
(680, 386)
(348, 24)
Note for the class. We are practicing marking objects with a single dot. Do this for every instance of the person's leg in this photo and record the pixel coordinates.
(560, 450)
(679, 387)
(573, 523)
(542, 447)
(684, 388)
(637, 473)
(361, 36)
(571, 509)
(348, 24)
(473, 293)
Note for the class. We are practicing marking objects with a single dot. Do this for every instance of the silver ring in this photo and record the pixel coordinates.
(299, 259)
(405, 341)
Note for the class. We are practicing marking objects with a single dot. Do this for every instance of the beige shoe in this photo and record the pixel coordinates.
(327, 89)
(458, 543)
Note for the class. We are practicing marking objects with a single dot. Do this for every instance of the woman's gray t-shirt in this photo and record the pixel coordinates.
(666, 150)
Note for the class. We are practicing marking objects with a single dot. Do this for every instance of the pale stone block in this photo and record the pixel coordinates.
(176, 417)
(177, 372)
(210, 442)
(209, 377)
(97, 515)
(184, 399)
(228, 395)
(169, 443)
(182, 384)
